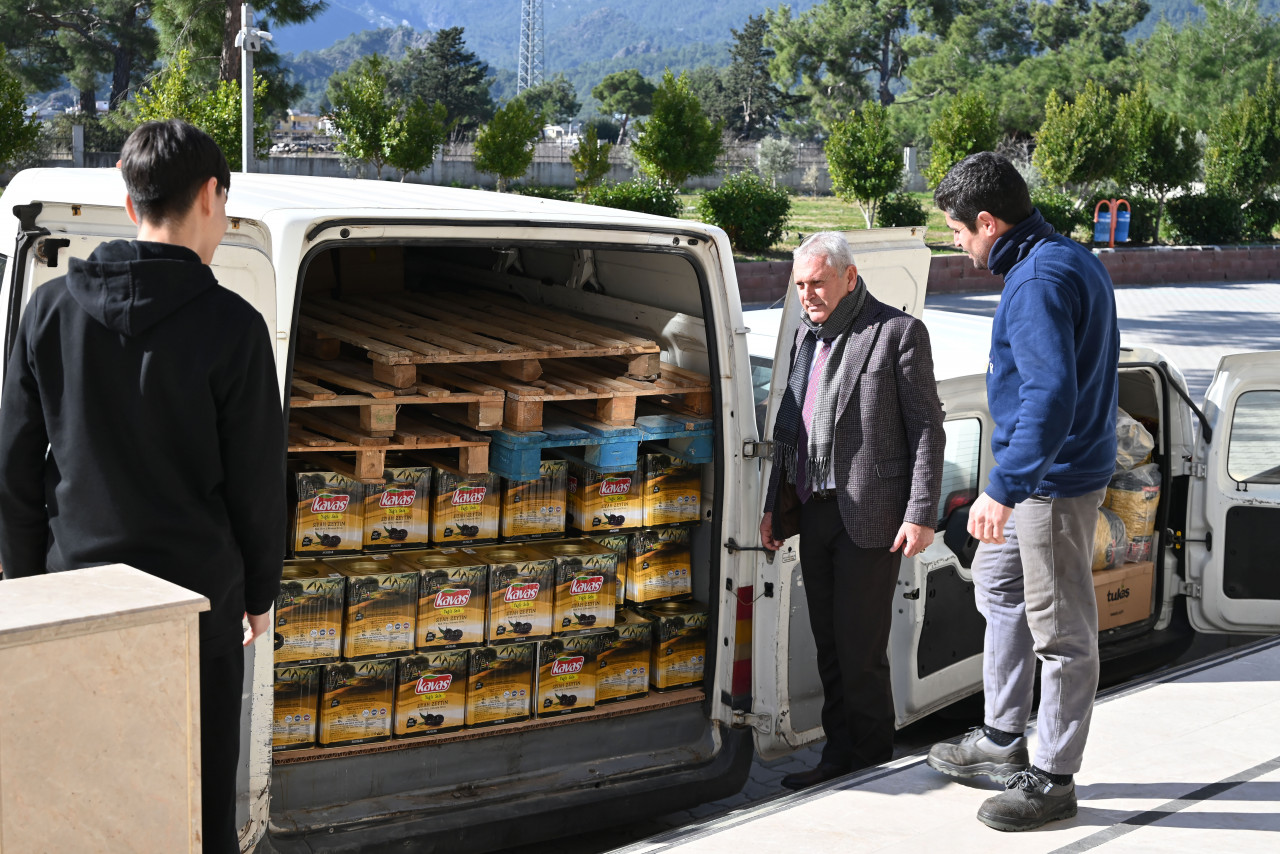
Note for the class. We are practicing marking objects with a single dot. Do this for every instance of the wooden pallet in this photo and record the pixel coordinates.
(398, 331)
(325, 433)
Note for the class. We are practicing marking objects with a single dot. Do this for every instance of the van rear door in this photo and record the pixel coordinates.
(786, 690)
(1234, 500)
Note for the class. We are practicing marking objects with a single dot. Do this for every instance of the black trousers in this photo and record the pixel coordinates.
(221, 681)
(850, 595)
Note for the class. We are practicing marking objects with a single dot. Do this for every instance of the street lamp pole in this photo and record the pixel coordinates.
(249, 40)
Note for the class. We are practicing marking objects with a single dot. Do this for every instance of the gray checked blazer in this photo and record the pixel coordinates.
(888, 435)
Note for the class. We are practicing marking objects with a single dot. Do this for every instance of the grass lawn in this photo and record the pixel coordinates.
(828, 213)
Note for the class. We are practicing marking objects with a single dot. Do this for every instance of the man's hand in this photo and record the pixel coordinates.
(258, 625)
(987, 518)
(913, 538)
(766, 533)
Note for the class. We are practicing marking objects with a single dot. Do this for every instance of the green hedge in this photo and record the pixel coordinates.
(639, 194)
(1197, 219)
(753, 213)
(898, 209)
(1261, 216)
(1061, 211)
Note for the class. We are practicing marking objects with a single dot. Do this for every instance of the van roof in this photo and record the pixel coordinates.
(254, 196)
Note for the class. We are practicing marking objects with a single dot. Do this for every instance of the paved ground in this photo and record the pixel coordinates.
(1194, 325)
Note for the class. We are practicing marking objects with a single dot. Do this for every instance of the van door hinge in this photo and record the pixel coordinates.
(1199, 470)
(1190, 589)
(762, 724)
(762, 450)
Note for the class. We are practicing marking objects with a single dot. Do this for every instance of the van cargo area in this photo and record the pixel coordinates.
(486, 358)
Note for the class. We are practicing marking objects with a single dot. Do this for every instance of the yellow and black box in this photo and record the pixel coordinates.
(671, 490)
(567, 670)
(453, 601)
(586, 575)
(308, 616)
(381, 609)
(431, 693)
(296, 703)
(679, 650)
(661, 567)
(624, 664)
(535, 509)
(465, 509)
(328, 513)
(356, 702)
(521, 592)
(603, 502)
(619, 544)
(397, 513)
(500, 683)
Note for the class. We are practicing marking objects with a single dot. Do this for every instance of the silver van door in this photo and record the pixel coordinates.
(786, 690)
(1233, 500)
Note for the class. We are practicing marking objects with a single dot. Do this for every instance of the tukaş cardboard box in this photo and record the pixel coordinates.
(661, 566)
(521, 592)
(465, 509)
(453, 598)
(296, 703)
(624, 664)
(679, 651)
(535, 509)
(308, 615)
(567, 674)
(603, 502)
(431, 693)
(1123, 593)
(500, 683)
(328, 513)
(671, 490)
(397, 513)
(381, 608)
(356, 702)
(585, 577)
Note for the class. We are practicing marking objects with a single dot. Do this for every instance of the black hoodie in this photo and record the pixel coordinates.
(141, 423)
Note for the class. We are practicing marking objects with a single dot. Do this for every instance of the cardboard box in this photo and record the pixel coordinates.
(521, 592)
(660, 567)
(679, 653)
(464, 508)
(431, 693)
(308, 616)
(671, 490)
(624, 664)
(586, 575)
(356, 702)
(453, 600)
(603, 502)
(535, 509)
(500, 683)
(1124, 594)
(397, 513)
(619, 544)
(567, 671)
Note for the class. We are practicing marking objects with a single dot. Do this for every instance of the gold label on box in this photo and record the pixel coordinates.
(431, 693)
(357, 702)
(296, 700)
(382, 608)
(500, 683)
(397, 514)
(567, 674)
(329, 516)
(535, 508)
(661, 567)
(308, 616)
(624, 665)
(602, 502)
(465, 510)
(521, 599)
(585, 594)
(672, 490)
(452, 607)
(680, 644)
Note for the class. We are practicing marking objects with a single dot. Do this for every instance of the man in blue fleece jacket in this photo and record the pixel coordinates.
(1052, 390)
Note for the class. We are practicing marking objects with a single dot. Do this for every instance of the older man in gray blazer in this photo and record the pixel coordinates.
(858, 447)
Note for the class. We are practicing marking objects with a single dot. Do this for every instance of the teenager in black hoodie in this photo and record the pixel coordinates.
(142, 424)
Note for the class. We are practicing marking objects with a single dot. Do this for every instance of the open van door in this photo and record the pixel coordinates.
(786, 691)
(1233, 500)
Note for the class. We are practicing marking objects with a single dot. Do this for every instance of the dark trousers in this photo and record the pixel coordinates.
(221, 681)
(850, 595)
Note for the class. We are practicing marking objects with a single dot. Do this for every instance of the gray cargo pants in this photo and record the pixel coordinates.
(1036, 591)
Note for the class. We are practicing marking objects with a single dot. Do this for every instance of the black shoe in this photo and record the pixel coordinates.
(814, 776)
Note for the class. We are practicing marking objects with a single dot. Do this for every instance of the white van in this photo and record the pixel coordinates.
(672, 281)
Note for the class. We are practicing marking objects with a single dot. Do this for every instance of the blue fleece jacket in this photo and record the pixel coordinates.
(1052, 385)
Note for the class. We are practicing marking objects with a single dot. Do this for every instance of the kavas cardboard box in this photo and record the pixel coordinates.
(500, 683)
(603, 502)
(521, 592)
(431, 693)
(619, 544)
(465, 509)
(1124, 594)
(624, 662)
(661, 566)
(671, 489)
(567, 674)
(453, 600)
(308, 616)
(535, 509)
(679, 651)
(381, 608)
(356, 702)
(585, 577)
(328, 513)
(296, 701)
(397, 513)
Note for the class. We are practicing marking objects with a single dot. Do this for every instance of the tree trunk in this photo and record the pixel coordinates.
(122, 64)
(886, 65)
(88, 102)
(229, 67)
(622, 131)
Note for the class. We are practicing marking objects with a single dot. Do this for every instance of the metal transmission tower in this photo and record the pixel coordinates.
(531, 50)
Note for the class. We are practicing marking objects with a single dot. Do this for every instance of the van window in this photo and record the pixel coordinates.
(960, 461)
(1253, 450)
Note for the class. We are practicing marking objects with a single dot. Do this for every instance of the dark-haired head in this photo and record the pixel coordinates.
(165, 165)
(984, 182)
